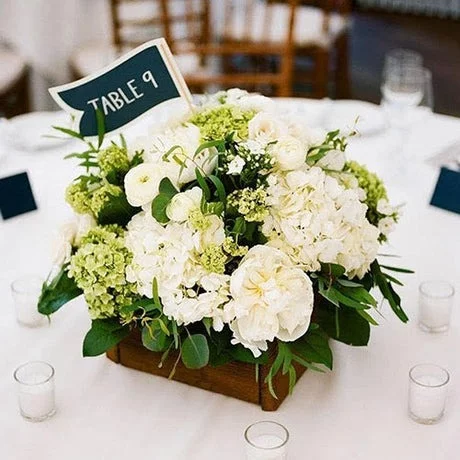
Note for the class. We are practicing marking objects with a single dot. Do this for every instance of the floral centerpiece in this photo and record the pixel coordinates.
(227, 233)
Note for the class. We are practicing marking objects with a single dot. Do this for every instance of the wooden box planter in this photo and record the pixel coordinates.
(234, 379)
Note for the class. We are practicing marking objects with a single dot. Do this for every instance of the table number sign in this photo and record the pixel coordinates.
(125, 90)
(446, 195)
(16, 196)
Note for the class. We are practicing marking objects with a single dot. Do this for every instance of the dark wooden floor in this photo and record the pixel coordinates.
(373, 34)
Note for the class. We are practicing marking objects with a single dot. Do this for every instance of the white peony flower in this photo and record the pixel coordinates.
(272, 298)
(236, 166)
(289, 153)
(62, 245)
(182, 204)
(142, 182)
(334, 160)
(266, 127)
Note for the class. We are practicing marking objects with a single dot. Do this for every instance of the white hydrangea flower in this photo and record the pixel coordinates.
(161, 252)
(385, 208)
(386, 225)
(271, 298)
(182, 204)
(142, 182)
(236, 166)
(289, 153)
(334, 160)
(212, 233)
(189, 307)
(315, 220)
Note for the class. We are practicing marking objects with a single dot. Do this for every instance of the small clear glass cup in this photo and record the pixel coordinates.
(436, 299)
(401, 57)
(25, 292)
(427, 393)
(266, 440)
(36, 398)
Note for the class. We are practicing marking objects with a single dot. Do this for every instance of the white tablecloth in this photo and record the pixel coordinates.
(106, 411)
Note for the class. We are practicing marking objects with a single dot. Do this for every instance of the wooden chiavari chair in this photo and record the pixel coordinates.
(320, 32)
(203, 54)
(14, 84)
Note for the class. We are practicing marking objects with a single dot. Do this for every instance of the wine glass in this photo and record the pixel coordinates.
(402, 90)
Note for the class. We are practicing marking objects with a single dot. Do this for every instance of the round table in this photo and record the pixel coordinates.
(358, 411)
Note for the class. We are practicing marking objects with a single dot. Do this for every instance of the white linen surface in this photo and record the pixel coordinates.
(106, 411)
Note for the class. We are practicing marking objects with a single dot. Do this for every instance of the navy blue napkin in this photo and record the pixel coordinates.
(16, 196)
(446, 195)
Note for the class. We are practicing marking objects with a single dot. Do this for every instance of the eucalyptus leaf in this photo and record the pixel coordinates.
(159, 205)
(195, 351)
(154, 337)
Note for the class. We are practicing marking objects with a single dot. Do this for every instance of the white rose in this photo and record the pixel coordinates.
(236, 165)
(142, 182)
(271, 298)
(333, 160)
(62, 246)
(85, 223)
(267, 127)
(289, 153)
(182, 204)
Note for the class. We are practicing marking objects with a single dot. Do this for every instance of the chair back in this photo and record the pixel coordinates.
(179, 21)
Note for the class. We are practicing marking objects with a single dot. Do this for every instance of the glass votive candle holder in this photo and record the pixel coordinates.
(36, 390)
(25, 292)
(427, 393)
(266, 441)
(435, 305)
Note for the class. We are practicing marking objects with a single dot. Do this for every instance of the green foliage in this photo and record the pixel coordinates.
(386, 288)
(103, 335)
(161, 201)
(195, 351)
(156, 336)
(116, 210)
(54, 295)
(333, 141)
(343, 324)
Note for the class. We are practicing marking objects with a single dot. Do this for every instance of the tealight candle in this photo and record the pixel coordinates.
(435, 305)
(266, 441)
(427, 393)
(35, 390)
(25, 292)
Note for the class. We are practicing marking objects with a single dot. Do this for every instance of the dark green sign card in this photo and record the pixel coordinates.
(125, 90)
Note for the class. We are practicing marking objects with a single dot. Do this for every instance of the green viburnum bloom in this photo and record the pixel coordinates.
(213, 259)
(98, 268)
(249, 203)
(113, 161)
(373, 187)
(231, 247)
(77, 196)
(101, 196)
(218, 122)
